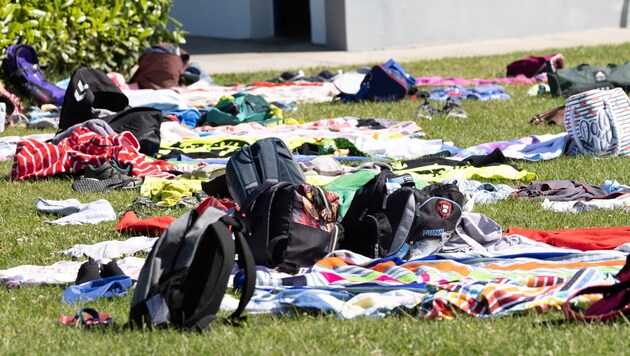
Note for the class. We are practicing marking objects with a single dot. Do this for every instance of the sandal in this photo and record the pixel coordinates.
(426, 111)
(86, 317)
(553, 116)
(453, 109)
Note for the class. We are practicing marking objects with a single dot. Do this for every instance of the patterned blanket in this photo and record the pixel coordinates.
(440, 286)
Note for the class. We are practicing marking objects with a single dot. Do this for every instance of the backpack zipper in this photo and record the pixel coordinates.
(335, 236)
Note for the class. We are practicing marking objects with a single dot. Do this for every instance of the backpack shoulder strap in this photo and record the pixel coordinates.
(246, 261)
(395, 65)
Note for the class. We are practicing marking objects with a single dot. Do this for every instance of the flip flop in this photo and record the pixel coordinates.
(86, 317)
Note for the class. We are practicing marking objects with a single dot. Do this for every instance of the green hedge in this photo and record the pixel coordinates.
(105, 34)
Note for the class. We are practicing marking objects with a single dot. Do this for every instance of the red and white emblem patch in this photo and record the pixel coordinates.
(444, 208)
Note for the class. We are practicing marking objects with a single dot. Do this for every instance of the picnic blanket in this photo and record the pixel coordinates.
(399, 141)
(439, 286)
(440, 81)
(202, 94)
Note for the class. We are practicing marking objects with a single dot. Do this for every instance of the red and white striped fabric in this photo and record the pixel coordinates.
(34, 159)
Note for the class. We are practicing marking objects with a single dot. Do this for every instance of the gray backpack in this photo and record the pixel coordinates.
(184, 279)
(265, 161)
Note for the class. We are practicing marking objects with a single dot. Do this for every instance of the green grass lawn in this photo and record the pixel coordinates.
(28, 315)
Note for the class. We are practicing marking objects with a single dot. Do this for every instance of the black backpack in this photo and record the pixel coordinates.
(265, 161)
(184, 279)
(378, 223)
(90, 90)
(292, 225)
(568, 81)
(161, 66)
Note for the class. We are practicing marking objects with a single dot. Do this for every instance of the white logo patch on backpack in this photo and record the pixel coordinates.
(80, 93)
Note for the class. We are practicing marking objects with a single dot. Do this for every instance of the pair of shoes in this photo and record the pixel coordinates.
(90, 271)
(106, 177)
(324, 76)
(288, 77)
(451, 108)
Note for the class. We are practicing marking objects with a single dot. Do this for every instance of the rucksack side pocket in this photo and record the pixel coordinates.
(305, 246)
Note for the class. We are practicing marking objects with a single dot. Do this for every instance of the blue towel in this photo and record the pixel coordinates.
(481, 93)
(115, 286)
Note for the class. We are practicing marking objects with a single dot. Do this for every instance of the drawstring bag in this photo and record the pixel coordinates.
(598, 122)
(614, 303)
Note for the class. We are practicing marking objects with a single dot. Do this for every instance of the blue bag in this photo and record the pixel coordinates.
(386, 82)
(21, 65)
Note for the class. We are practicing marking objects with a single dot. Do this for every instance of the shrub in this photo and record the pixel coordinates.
(105, 34)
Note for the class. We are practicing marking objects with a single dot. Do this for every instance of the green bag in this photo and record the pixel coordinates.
(239, 108)
(568, 81)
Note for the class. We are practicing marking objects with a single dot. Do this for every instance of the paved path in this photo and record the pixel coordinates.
(229, 56)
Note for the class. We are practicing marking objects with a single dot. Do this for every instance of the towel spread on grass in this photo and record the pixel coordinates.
(110, 287)
(155, 226)
(35, 159)
(347, 269)
(441, 286)
(619, 202)
(62, 272)
(440, 81)
(480, 93)
(202, 94)
(112, 249)
(399, 141)
(75, 213)
(530, 148)
(583, 239)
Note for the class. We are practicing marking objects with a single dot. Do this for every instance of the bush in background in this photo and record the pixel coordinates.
(105, 34)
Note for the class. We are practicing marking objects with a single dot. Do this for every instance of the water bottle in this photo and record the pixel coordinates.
(3, 115)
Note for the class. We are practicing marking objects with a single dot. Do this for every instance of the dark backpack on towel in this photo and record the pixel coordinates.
(265, 161)
(161, 66)
(380, 224)
(21, 65)
(386, 82)
(292, 225)
(570, 81)
(91, 94)
(184, 279)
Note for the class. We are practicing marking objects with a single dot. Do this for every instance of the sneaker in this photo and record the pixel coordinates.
(327, 76)
(111, 269)
(89, 271)
(453, 109)
(106, 177)
(426, 111)
(126, 170)
(288, 77)
(94, 185)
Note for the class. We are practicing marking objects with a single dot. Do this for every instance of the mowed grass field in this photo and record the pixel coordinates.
(28, 315)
